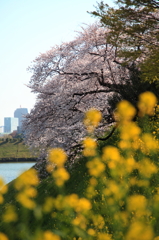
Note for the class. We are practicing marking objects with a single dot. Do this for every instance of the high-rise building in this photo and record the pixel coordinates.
(20, 114)
(10, 124)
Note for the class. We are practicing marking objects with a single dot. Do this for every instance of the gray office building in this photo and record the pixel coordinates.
(20, 114)
(10, 124)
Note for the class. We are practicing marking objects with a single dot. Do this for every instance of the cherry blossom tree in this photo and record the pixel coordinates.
(71, 78)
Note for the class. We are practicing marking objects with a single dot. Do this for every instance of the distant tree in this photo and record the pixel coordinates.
(13, 134)
(71, 78)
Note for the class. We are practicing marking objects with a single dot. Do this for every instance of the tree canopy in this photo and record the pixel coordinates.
(105, 63)
(71, 78)
(134, 30)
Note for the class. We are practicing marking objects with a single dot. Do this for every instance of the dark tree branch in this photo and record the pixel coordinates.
(109, 135)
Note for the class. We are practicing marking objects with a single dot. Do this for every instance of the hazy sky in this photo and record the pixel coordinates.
(27, 28)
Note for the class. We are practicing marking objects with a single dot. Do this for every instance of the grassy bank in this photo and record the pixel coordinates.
(14, 148)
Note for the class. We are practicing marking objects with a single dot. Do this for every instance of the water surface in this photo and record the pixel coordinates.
(10, 171)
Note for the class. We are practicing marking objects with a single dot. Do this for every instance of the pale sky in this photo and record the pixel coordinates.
(28, 28)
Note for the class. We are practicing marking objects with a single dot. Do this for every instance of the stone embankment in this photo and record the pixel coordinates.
(17, 160)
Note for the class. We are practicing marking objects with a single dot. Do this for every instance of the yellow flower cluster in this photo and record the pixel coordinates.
(91, 191)
(3, 190)
(150, 143)
(98, 221)
(3, 236)
(60, 175)
(131, 138)
(125, 111)
(138, 230)
(129, 131)
(28, 178)
(26, 184)
(103, 236)
(112, 153)
(113, 191)
(48, 204)
(119, 201)
(95, 167)
(48, 235)
(90, 146)
(92, 119)
(80, 221)
(78, 204)
(58, 157)
(137, 204)
(146, 104)
(146, 167)
(10, 214)
(129, 135)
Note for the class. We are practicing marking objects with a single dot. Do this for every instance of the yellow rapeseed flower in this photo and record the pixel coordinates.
(57, 156)
(25, 200)
(124, 144)
(156, 238)
(92, 119)
(129, 134)
(130, 164)
(91, 232)
(48, 205)
(125, 111)
(3, 236)
(80, 221)
(93, 181)
(139, 231)
(104, 236)
(89, 143)
(60, 175)
(147, 167)
(137, 203)
(90, 146)
(149, 142)
(72, 200)
(83, 205)
(30, 192)
(95, 167)
(130, 131)
(3, 186)
(50, 167)
(146, 104)
(28, 178)
(1, 199)
(78, 204)
(3, 190)
(110, 152)
(113, 189)
(48, 235)
(91, 191)
(10, 214)
(98, 221)
(59, 202)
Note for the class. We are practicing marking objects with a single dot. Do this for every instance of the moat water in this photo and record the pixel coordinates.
(10, 171)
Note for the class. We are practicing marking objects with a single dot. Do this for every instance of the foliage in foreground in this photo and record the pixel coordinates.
(114, 196)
